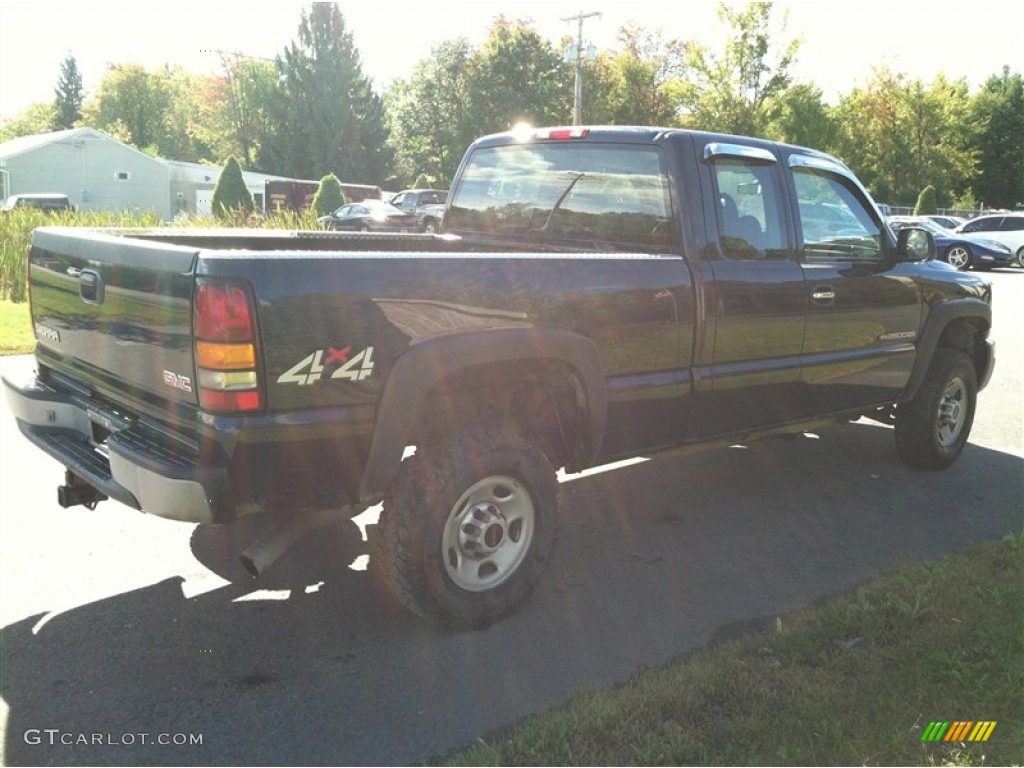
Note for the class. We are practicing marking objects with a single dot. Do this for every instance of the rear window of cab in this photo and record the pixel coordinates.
(595, 195)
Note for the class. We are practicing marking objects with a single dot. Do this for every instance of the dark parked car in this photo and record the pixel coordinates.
(961, 251)
(44, 201)
(369, 216)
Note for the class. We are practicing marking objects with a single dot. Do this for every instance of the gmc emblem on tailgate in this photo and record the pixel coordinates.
(171, 379)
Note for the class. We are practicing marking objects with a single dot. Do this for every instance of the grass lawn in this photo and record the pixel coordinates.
(15, 329)
(854, 682)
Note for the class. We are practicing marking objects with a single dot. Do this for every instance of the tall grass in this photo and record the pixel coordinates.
(16, 234)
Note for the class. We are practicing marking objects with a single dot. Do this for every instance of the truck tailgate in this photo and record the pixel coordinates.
(115, 311)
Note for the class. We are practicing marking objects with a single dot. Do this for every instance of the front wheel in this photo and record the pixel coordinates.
(933, 427)
(1020, 256)
(468, 527)
(959, 256)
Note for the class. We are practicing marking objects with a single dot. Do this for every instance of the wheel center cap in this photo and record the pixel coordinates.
(493, 535)
(482, 530)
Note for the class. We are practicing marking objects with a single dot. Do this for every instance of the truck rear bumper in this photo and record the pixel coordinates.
(129, 462)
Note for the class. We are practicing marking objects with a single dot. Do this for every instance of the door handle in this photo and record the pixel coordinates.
(823, 294)
(90, 286)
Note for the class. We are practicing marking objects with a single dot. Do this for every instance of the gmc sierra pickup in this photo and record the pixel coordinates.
(598, 293)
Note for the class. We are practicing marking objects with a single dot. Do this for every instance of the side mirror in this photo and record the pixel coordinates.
(915, 244)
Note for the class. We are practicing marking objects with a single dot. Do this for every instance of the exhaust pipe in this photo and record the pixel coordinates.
(269, 548)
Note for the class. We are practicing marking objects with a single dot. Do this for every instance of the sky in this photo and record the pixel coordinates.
(842, 40)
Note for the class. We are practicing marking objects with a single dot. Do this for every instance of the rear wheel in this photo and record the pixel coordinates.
(468, 527)
(1020, 256)
(959, 256)
(932, 429)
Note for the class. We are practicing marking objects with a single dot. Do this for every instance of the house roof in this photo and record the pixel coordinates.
(23, 144)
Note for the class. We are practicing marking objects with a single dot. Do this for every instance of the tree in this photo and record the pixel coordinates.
(131, 104)
(68, 94)
(329, 196)
(926, 202)
(334, 122)
(231, 197)
(244, 106)
(629, 87)
(735, 91)
(802, 117)
(935, 158)
(874, 141)
(33, 119)
(429, 115)
(900, 135)
(194, 121)
(517, 76)
(999, 110)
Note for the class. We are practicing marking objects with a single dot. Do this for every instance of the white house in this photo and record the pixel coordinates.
(95, 171)
(99, 173)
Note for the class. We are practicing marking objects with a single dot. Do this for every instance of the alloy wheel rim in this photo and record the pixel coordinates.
(958, 258)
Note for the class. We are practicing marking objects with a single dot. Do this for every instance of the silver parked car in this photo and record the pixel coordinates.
(1005, 228)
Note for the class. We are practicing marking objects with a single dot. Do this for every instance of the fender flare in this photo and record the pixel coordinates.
(418, 371)
(939, 318)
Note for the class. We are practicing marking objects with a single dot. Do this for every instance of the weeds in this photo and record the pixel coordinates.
(16, 234)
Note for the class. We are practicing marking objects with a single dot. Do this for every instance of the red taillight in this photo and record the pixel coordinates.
(222, 313)
(214, 400)
(562, 133)
(225, 347)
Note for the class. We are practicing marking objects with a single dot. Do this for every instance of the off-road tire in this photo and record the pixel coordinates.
(933, 427)
(415, 556)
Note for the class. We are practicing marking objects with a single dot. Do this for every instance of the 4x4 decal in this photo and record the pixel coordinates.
(311, 368)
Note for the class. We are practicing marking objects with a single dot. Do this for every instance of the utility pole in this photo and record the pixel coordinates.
(577, 107)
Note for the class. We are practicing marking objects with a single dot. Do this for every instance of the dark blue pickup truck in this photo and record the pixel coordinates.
(597, 293)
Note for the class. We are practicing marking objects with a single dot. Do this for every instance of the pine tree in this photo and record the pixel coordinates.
(68, 94)
(334, 123)
(329, 195)
(925, 202)
(231, 197)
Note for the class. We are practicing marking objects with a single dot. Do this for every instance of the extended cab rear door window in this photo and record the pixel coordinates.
(750, 212)
(582, 194)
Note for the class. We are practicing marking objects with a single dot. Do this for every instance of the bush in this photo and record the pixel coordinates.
(231, 198)
(423, 181)
(329, 196)
(926, 202)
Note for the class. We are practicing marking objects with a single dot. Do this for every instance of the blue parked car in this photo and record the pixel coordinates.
(960, 250)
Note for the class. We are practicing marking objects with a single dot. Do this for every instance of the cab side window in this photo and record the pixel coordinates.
(834, 221)
(750, 223)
